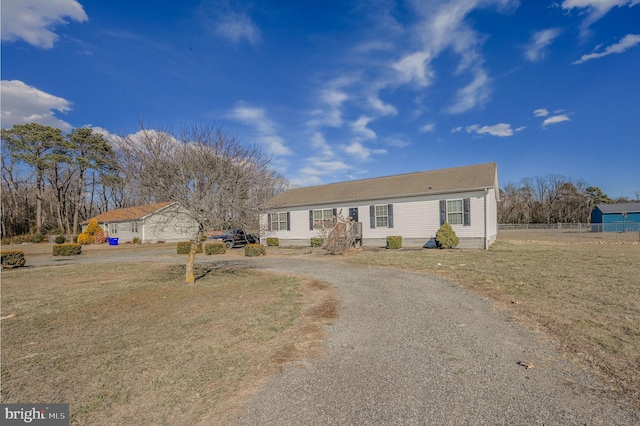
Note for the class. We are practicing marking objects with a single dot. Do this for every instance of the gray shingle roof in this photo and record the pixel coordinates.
(619, 208)
(457, 179)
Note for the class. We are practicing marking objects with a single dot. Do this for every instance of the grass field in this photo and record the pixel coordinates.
(122, 342)
(131, 344)
(585, 297)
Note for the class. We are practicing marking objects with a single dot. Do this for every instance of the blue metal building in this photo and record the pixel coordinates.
(623, 217)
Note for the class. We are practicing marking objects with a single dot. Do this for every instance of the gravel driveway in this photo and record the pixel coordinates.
(414, 349)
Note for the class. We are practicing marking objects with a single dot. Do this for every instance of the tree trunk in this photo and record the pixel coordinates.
(76, 210)
(191, 260)
(39, 197)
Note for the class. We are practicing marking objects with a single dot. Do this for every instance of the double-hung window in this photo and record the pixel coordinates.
(323, 218)
(382, 216)
(134, 227)
(278, 221)
(455, 212)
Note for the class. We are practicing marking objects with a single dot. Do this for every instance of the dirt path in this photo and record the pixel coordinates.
(411, 349)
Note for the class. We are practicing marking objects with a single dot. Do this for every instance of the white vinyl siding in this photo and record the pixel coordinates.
(416, 218)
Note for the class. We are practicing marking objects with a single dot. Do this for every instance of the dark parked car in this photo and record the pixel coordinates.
(236, 238)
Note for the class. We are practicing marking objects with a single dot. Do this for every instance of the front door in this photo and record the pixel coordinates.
(353, 213)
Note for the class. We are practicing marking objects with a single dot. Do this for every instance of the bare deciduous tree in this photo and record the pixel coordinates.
(549, 199)
(214, 179)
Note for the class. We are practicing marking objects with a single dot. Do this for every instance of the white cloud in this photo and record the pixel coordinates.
(330, 113)
(23, 104)
(358, 150)
(555, 119)
(322, 163)
(474, 94)
(34, 20)
(398, 141)
(322, 167)
(596, 9)
(414, 68)
(361, 152)
(542, 112)
(456, 129)
(428, 128)
(627, 42)
(360, 127)
(443, 26)
(381, 107)
(319, 143)
(104, 132)
(265, 128)
(236, 27)
(536, 50)
(501, 129)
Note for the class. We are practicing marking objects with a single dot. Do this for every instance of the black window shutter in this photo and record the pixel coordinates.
(335, 216)
(288, 221)
(310, 220)
(372, 216)
(467, 211)
(443, 212)
(390, 215)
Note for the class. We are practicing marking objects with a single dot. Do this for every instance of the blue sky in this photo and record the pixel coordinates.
(336, 90)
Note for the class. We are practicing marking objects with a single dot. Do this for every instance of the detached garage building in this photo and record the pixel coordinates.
(412, 205)
(623, 217)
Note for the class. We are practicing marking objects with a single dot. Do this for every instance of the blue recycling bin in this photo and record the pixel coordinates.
(113, 241)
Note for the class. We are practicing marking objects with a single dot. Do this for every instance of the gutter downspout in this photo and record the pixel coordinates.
(486, 243)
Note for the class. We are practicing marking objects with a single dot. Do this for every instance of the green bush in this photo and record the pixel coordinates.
(12, 258)
(215, 248)
(252, 250)
(67, 249)
(315, 242)
(184, 247)
(60, 239)
(273, 242)
(446, 237)
(394, 242)
(37, 238)
(137, 240)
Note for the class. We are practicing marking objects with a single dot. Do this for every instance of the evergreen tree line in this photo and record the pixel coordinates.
(551, 199)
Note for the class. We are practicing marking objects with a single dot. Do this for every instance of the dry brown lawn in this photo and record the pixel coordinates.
(585, 297)
(131, 344)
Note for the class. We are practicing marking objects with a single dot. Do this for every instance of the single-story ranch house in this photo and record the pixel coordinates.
(621, 217)
(412, 205)
(151, 223)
